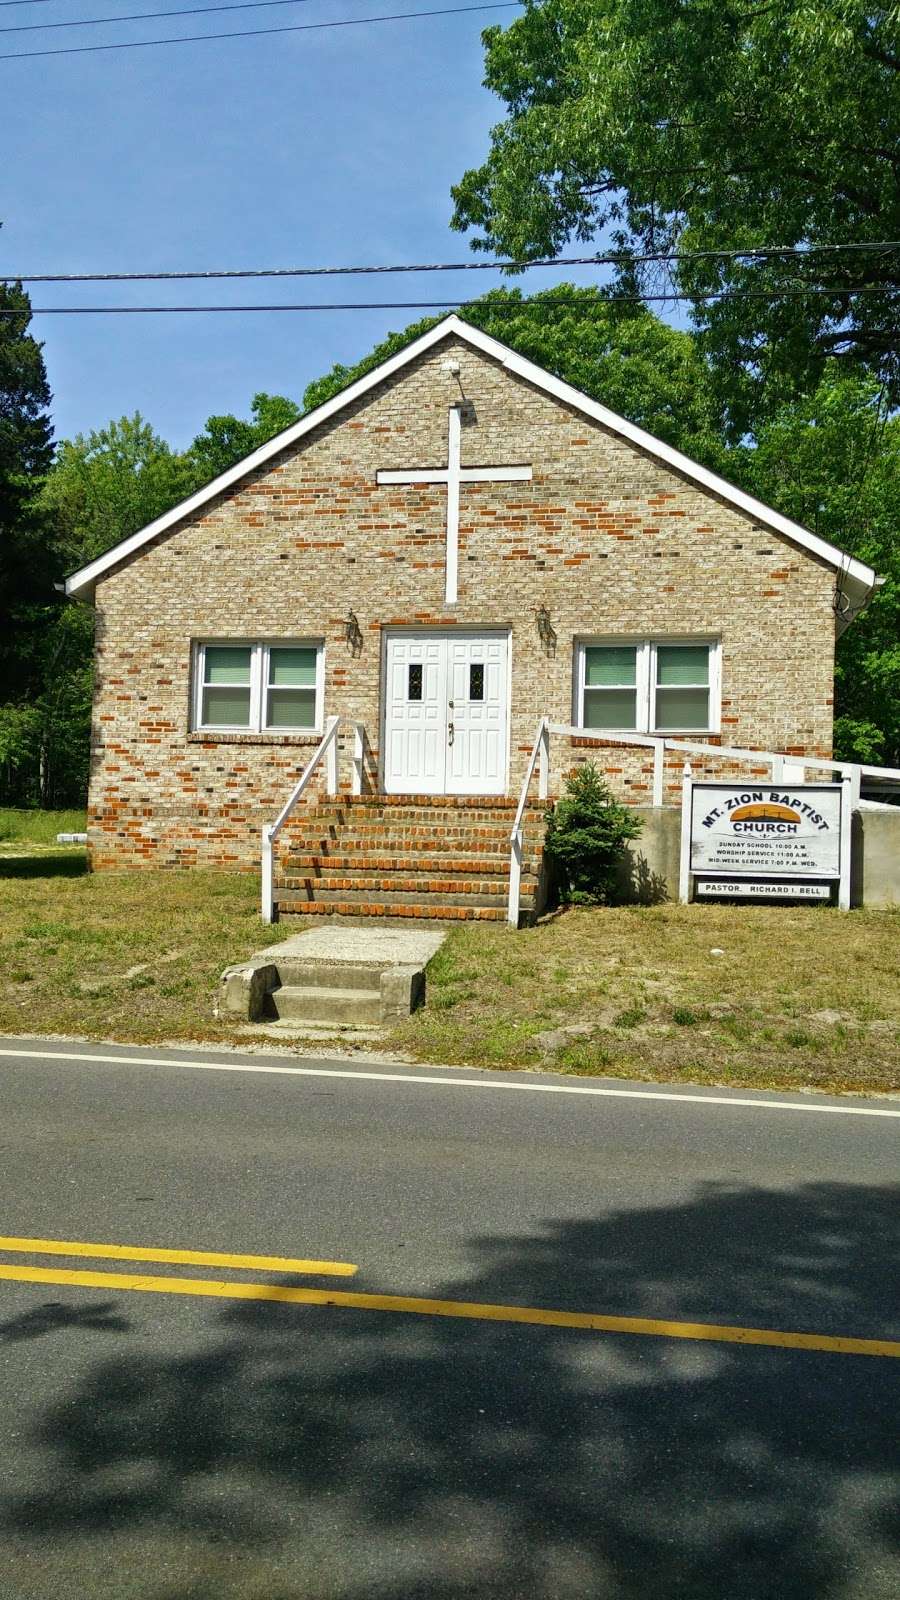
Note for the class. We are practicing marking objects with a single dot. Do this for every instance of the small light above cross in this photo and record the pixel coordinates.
(453, 475)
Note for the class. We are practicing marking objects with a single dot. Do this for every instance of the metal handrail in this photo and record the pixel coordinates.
(784, 768)
(540, 752)
(779, 761)
(327, 748)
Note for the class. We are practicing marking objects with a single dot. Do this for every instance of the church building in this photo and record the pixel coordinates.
(454, 547)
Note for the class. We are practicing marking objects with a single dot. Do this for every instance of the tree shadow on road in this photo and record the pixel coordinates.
(54, 1316)
(410, 1458)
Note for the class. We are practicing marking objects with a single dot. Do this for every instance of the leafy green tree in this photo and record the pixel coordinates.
(620, 355)
(102, 487)
(26, 558)
(106, 484)
(226, 440)
(587, 832)
(831, 460)
(710, 125)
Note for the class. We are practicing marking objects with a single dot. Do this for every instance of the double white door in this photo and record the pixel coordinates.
(446, 713)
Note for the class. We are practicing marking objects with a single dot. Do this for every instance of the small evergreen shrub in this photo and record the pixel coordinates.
(587, 832)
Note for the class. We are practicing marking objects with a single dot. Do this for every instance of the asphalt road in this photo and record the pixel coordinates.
(201, 1446)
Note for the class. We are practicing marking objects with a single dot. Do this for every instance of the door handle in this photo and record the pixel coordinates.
(450, 733)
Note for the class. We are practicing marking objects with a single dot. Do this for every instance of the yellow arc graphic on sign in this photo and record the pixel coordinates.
(766, 808)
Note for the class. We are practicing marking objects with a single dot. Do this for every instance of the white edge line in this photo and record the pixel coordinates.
(455, 1083)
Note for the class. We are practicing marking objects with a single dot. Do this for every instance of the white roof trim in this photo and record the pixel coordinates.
(852, 571)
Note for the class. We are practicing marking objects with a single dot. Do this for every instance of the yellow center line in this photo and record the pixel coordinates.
(471, 1310)
(180, 1258)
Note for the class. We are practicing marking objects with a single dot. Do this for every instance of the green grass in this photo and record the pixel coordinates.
(802, 998)
(132, 956)
(37, 827)
(647, 999)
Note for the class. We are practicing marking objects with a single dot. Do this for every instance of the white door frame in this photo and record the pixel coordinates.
(467, 632)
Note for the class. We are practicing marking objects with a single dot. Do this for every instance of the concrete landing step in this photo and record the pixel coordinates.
(347, 1007)
(300, 972)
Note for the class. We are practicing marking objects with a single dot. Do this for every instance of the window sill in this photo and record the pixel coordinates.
(308, 737)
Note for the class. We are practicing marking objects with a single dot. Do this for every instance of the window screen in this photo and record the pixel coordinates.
(682, 687)
(226, 694)
(291, 689)
(610, 686)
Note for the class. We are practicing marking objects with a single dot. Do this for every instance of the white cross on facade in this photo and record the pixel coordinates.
(453, 475)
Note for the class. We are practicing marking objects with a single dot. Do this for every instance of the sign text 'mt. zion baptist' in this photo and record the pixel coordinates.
(765, 839)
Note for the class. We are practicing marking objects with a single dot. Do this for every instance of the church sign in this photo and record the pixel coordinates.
(765, 841)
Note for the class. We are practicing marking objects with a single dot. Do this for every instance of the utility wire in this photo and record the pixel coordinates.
(144, 16)
(257, 33)
(616, 259)
(444, 305)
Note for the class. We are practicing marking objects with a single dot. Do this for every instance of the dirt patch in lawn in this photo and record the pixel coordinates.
(760, 997)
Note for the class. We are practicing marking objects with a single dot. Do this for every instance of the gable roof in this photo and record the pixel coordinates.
(856, 578)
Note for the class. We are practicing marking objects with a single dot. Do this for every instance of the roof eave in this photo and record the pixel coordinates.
(81, 584)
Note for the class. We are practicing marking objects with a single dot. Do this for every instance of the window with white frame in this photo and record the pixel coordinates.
(258, 688)
(648, 685)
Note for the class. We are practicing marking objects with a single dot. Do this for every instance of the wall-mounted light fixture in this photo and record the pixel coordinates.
(546, 631)
(353, 634)
(463, 405)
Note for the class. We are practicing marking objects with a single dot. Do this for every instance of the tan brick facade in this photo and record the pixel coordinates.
(606, 537)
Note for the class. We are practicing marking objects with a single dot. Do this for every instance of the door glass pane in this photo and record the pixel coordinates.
(414, 686)
(226, 708)
(227, 663)
(290, 665)
(476, 680)
(682, 663)
(291, 708)
(682, 708)
(610, 708)
(610, 664)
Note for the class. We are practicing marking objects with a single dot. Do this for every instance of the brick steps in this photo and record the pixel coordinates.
(449, 894)
(407, 856)
(428, 862)
(381, 803)
(419, 883)
(423, 910)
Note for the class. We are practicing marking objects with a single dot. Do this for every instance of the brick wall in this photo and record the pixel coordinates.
(608, 539)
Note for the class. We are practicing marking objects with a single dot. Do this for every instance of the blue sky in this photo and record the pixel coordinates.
(300, 149)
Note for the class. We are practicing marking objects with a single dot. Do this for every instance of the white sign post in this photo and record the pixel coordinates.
(765, 841)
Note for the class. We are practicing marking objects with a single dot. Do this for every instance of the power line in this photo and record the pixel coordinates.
(257, 33)
(444, 305)
(142, 16)
(616, 259)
